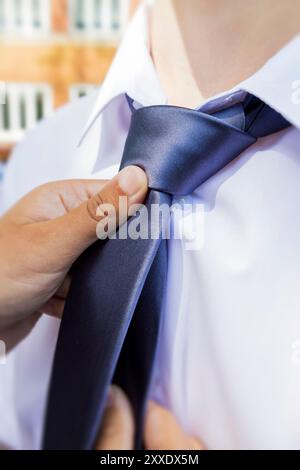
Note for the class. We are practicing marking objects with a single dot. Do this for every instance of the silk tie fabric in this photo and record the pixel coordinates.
(111, 322)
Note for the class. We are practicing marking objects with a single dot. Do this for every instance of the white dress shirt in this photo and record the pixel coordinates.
(228, 360)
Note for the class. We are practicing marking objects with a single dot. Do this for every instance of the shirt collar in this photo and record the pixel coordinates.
(133, 72)
(276, 81)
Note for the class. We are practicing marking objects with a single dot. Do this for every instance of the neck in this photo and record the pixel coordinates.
(204, 47)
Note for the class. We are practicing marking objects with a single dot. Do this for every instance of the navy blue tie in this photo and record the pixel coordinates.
(111, 322)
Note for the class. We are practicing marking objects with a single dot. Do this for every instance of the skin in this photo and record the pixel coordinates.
(162, 430)
(204, 47)
(42, 236)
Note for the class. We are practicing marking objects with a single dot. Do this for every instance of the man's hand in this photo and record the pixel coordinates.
(162, 430)
(42, 236)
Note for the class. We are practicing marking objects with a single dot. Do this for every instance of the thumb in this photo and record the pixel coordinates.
(76, 230)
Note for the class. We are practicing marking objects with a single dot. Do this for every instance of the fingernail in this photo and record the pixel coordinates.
(132, 180)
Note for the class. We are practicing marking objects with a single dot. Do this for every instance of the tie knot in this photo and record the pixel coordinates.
(180, 148)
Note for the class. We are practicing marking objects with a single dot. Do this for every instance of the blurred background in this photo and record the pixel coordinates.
(51, 52)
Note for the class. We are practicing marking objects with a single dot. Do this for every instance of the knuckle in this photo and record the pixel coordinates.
(92, 207)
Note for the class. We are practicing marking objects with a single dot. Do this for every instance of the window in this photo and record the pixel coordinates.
(115, 14)
(36, 14)
(79, 14)
(104, 19)
(24, 16)
(25, 105)
(81, 89)
(18, 13)
(2, 20)
(98, 13)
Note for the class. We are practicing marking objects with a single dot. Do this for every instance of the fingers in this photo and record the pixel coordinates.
(68, 236)
(52, 200)
(117, 430)
(63, 291)
(163, 432)
(56, 305)
(53, 307)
